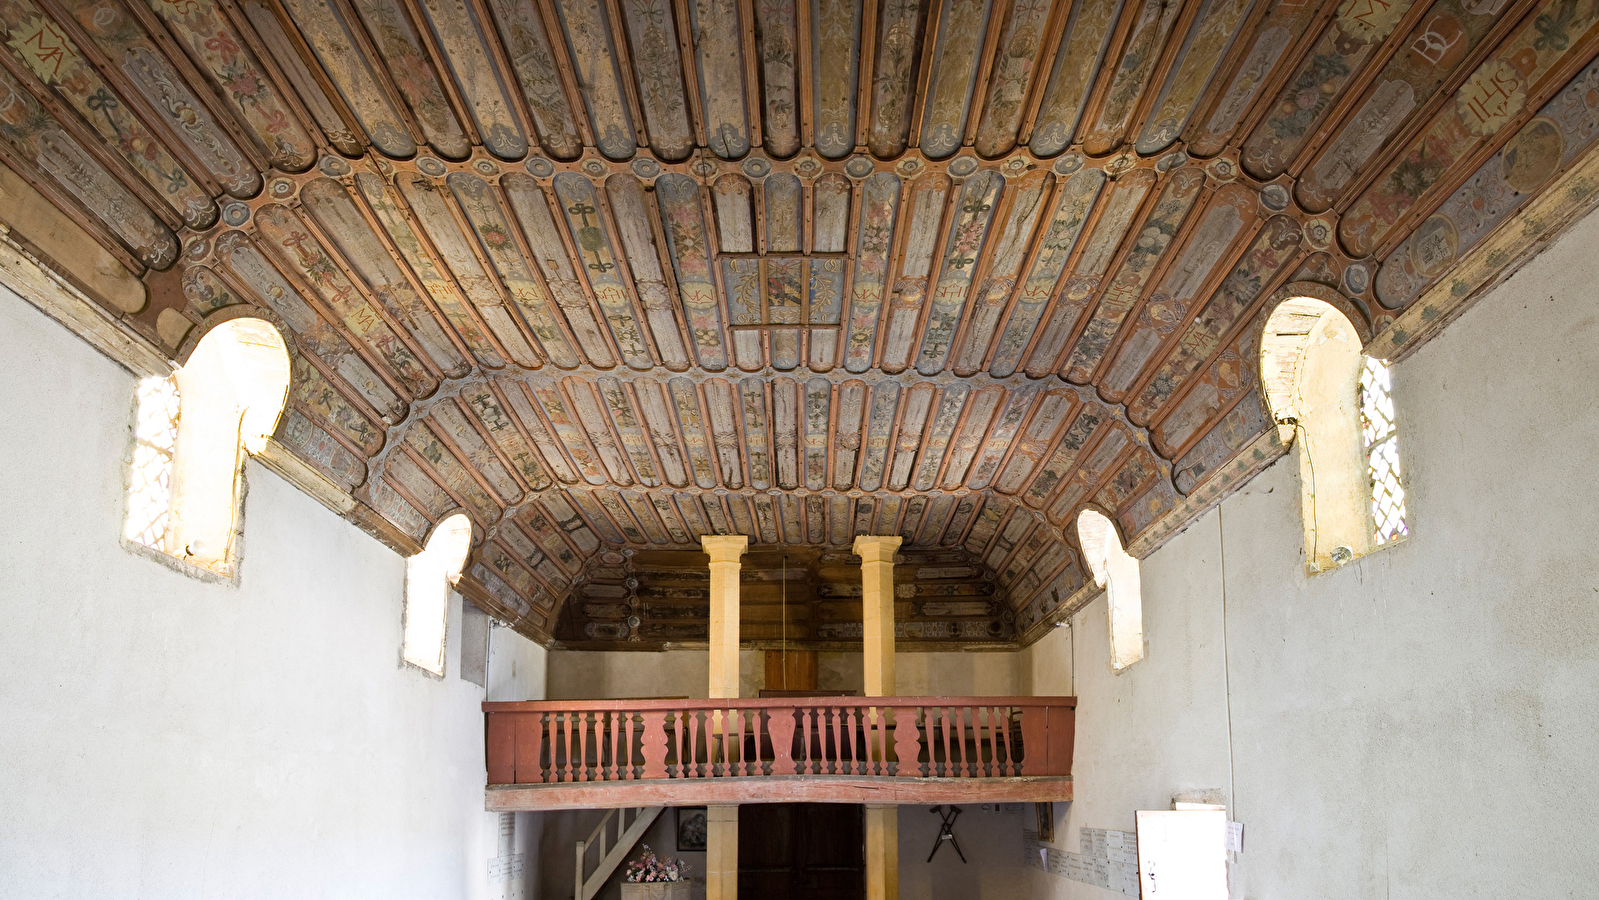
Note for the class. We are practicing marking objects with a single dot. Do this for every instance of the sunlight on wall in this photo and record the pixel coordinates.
(428, 577)
(1332, 402)
(1117, 572)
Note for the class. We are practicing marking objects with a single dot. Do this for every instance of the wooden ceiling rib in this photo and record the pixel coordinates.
(608, 275)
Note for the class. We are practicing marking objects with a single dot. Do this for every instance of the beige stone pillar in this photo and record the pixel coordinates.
(882, 852)
(877, 611)
(877, 621)
(724, 550)
(721, 837)
(721, 853)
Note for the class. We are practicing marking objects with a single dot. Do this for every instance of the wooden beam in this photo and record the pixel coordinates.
(776, 789)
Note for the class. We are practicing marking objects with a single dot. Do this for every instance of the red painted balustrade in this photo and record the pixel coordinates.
(574, 741)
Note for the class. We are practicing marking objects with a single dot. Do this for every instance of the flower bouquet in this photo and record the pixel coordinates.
(653, 877)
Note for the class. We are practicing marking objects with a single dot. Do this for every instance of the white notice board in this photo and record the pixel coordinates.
(1182, 854)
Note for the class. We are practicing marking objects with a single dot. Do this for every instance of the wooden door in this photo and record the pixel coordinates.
(801, 851)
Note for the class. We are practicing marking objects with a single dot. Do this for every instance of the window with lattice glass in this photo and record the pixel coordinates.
(155, 439)
(1382, 452)
(192, 431)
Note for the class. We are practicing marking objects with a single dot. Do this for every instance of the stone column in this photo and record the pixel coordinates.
(882, 852)
(721, 853)
(724, 550)
(721, 837)
(877, 621)
(877, 611)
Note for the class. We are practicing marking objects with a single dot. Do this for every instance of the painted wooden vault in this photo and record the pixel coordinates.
(610, 274)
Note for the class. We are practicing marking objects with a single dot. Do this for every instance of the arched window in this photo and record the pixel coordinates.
(1382, 452)
(1116, 571)
(428, 578)
(1333, 403)
(190, 436)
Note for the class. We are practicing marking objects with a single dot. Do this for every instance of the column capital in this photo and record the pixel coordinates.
(724, 547)
(877, 548)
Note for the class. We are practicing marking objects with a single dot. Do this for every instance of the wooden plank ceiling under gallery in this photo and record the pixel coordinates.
(608, 275)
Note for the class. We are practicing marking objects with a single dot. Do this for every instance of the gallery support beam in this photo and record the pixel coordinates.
(877, 631)
(724, 551)
(877, 610)
(721, 834)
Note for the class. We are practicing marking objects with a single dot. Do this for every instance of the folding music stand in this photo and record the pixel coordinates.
(946, 832)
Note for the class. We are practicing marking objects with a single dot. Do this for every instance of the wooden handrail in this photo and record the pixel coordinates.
(764, 702)
(570, 741)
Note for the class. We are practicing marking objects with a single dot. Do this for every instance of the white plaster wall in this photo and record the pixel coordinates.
(1045, 668)
(1422, 722)
(989, 836)
(517, 667)
(168, 738)
(621, 674)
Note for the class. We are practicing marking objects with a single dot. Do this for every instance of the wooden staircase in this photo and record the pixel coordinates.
(610, 854)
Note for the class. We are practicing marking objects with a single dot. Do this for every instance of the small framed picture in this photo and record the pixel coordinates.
(691, 829)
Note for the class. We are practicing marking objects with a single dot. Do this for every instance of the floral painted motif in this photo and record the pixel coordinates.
(588, 35)
(1494, 94)
(1012, 74)
(1076, 65)
(1128, 284)
(293, 246)
(836, 53)
(1143, 48)
(1266, 260)
(528, 46)
(55, 60)
(1217, 25)
(1564, 128)
(961, 29)
(880, 203)
(684, 224)
(1065, 227)
(965, 247)
(200, 25)
(1440, 43)
(336, 49)
(899, 44)
(413, 74)
(653, 36)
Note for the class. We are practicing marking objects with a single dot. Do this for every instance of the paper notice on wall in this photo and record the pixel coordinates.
(1235, 837)
(506, 868)
(507, 833)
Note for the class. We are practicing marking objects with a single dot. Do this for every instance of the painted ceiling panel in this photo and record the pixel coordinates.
(609, 276)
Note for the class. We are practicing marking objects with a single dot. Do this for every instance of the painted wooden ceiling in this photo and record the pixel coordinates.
(610, 274)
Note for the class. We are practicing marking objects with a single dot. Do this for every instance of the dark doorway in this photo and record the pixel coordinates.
(790, 851)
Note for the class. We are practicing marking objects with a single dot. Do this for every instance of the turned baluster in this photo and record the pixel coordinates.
(963, 768)
(780, 726)
(907, 742)
(654, 743)
(700, 756)
(616, 745)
